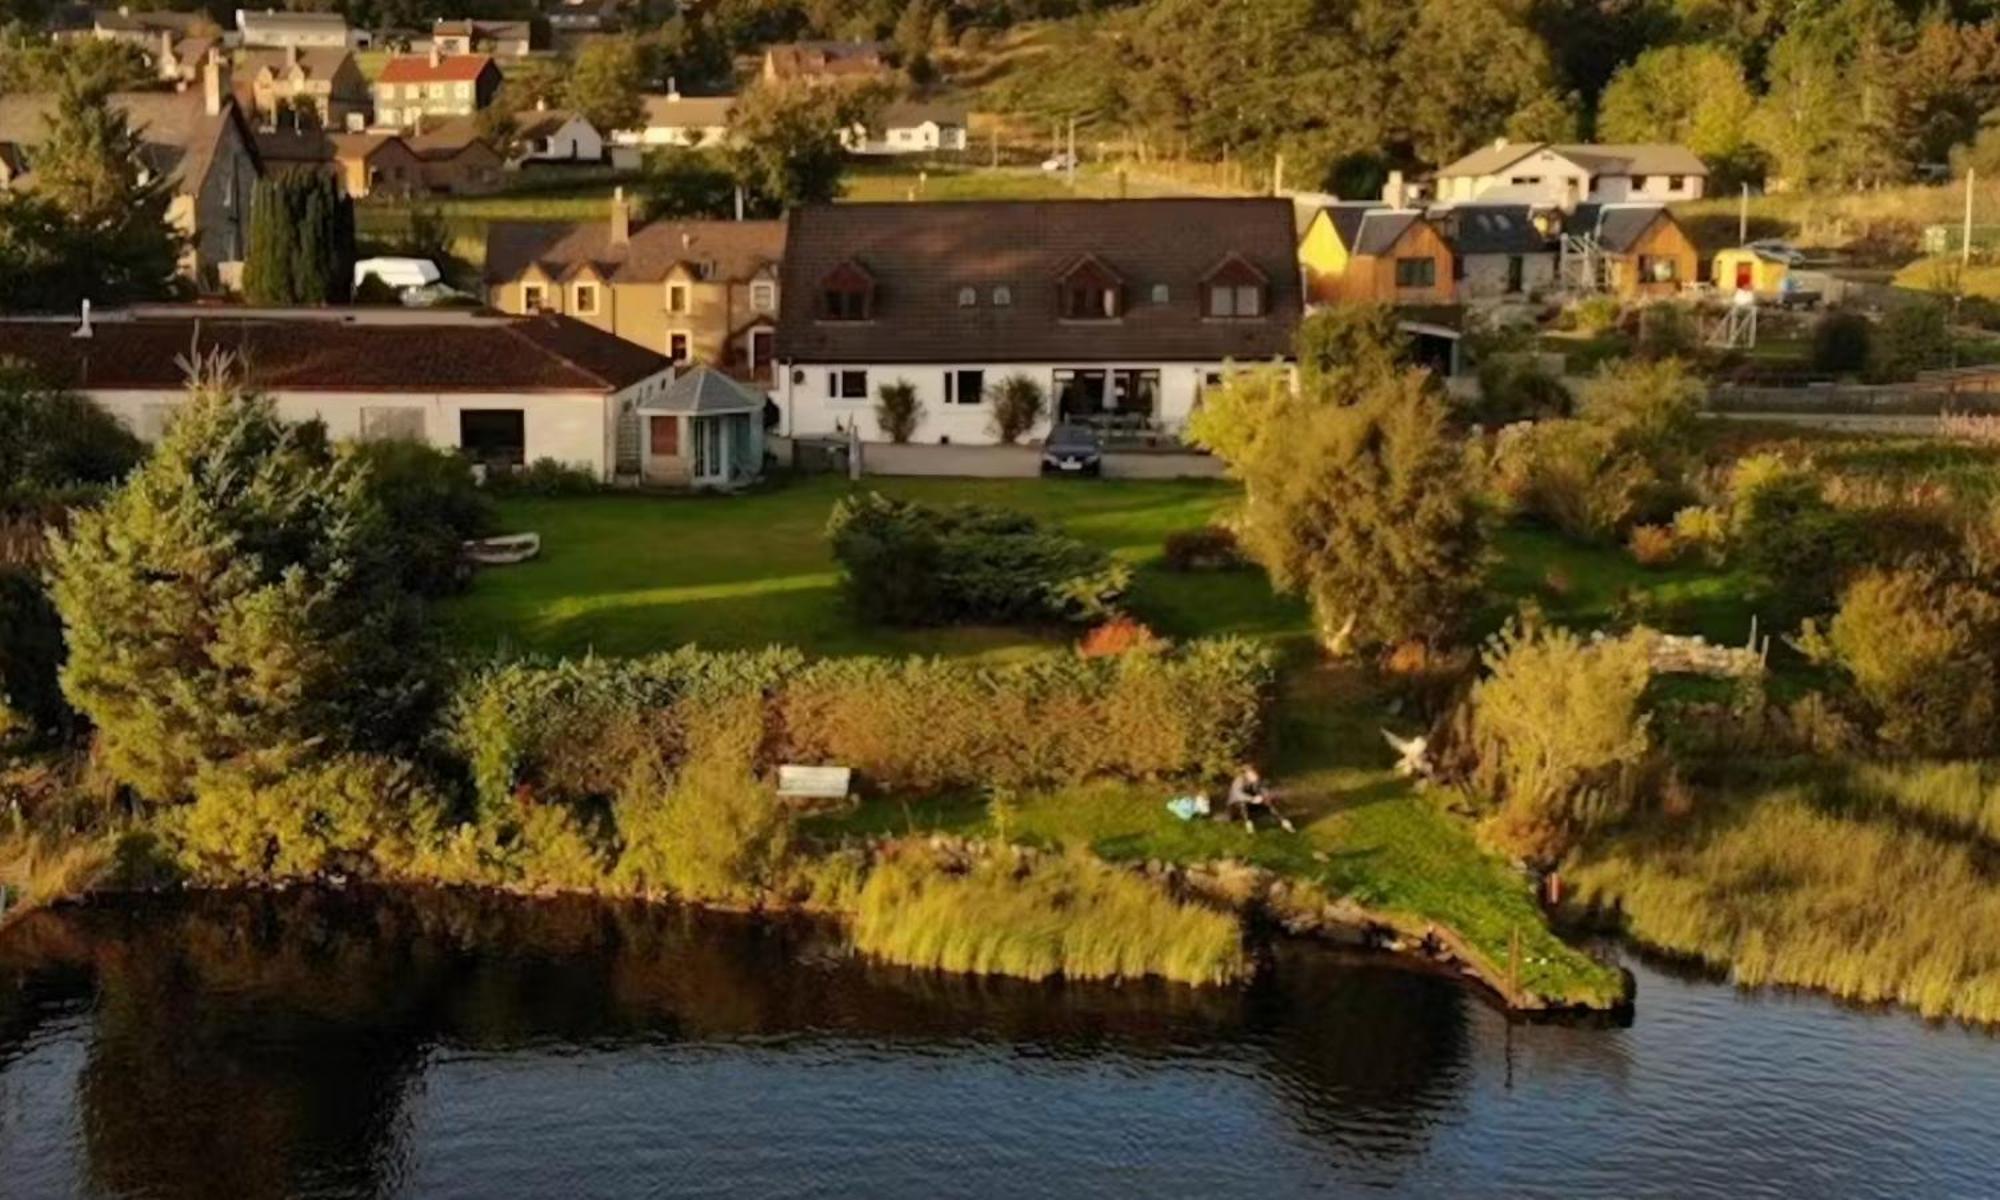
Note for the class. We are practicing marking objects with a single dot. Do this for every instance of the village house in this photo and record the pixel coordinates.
(502, 39)
(322, 80)
(1500, 251)
(413, 87)
(825, 62)
(672, 119)
(366, 164)
(910, 128)
(178, 60)
(1121, 311)
(1633, 251)
(176, 43)
(197, 138)
(695, 291)
(549, 135)
(270, 28)
(456, 160)
(1542, 173)
(505, 391)
(582, 16)
(1364, 251)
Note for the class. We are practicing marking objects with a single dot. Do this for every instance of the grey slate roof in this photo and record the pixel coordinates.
(923, 257)
(703, 391)
(177, 136)
(739, 249)
(1494, 229)
(1380, 229)
(1617, 227)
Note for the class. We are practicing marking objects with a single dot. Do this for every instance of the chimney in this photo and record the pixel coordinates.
(1500, 143)
(211, 85)
(291, 56)
(83, 330)
(673, 88)
(436, 58)
(1394, 193)
(739, 202)
(541, 104)
(621, 218)
(687, 240)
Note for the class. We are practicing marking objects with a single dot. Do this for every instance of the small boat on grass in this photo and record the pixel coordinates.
(503, 551)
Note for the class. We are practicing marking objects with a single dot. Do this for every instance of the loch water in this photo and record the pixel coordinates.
(355, 1043)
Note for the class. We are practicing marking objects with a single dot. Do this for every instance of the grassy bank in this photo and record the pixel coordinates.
(1823, 883)
(1879, 225)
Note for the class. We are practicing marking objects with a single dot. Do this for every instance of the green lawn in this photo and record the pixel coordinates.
(631, 574)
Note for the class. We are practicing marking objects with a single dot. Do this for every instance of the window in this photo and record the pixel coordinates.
(1249, 300)
(534, 298)
(401, 423)
(964, 387)
(1162, 294)
(846, 304)
(677, 297)
(1657, 270)
(665, 437)
(1416, 272)
(1003, 296)
(465, 91)
(586, 299)
(1639, 183)
(1235, 300)
(763, 295)
(1090, 303)
(1676, 182)
(1517, 270)
(1525, 180)
(680, 347)
(760, 350)
(1221, 302)
(494, 436)
(847, 385)
(968, 297)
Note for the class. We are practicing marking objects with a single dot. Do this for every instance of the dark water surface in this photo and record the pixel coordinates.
(363, 1045)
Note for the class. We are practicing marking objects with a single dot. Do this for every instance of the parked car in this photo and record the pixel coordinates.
(1073, 450)
(1063, 161)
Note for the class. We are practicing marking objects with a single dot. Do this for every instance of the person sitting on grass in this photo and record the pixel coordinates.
(1248, 796)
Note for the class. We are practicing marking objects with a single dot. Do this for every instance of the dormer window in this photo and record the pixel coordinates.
(1162, 294)
(847, 294)
(1090, 291)
(1234, 289)
(1003, 296)
(968, 297)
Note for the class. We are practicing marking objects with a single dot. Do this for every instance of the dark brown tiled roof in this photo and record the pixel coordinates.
(739, 249)
(923, 255)
(534, 354)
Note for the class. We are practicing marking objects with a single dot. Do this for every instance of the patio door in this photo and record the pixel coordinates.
(711, 450)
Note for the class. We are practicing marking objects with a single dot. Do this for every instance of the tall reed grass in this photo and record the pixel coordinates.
(1041, 917)
(1799, 885)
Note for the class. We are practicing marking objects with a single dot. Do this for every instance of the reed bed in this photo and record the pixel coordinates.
(1040, 917)
(1799, 885)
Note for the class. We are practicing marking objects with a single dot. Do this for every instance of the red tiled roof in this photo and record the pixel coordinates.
(417, 68)
(533, 354)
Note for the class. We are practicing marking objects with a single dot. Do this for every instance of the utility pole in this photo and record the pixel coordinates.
(1743, 218)
(1278, 175)
(996, 144)
(1965, 242)
(1072, 154)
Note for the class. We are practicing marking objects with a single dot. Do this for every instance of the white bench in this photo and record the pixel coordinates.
(797, 782)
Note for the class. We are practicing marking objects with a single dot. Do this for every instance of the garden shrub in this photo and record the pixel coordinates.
(898, 410)
(912, 564)
(1516, 387)
(31, 656)
(1797, 547)
(1018, 404)
(431, 505)
(546, 477)
(1595, 314)
(1119, 635)
(1210, 548)
(353, 815)
(1913, 337)
(1653, 545)
(1560, 736)
(1841, 342)
(1705, 529)
(1568, 474)
(1919, 649)
(1667, 331)
(528, 729)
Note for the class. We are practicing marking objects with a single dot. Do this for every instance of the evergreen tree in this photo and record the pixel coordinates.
(301, 242)
(311, 252)
(232, 602)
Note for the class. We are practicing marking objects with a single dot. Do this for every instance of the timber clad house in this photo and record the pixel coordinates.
(1367, 252)
(695, 291)
(506, 391)
(1122, 311)
(1632, 250)
(196, 138)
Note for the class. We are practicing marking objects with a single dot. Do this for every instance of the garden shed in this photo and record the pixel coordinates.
(704, 429)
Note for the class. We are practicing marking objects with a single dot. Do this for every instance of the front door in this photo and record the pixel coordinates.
(1744, 277)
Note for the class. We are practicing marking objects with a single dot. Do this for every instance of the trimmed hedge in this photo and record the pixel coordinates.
(570, 730)
(913, 564)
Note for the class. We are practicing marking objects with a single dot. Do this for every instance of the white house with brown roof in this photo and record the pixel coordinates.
(910, 127)
(1121, 311)
(672, 119)
(549, 135)
(505, 390)
(1544, 173)
(277, 29)
(825, 62)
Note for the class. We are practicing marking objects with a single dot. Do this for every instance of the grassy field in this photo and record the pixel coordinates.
(1879, 225)
(631, 574)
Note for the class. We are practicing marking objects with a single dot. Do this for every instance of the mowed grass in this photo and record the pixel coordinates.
(624, 575)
